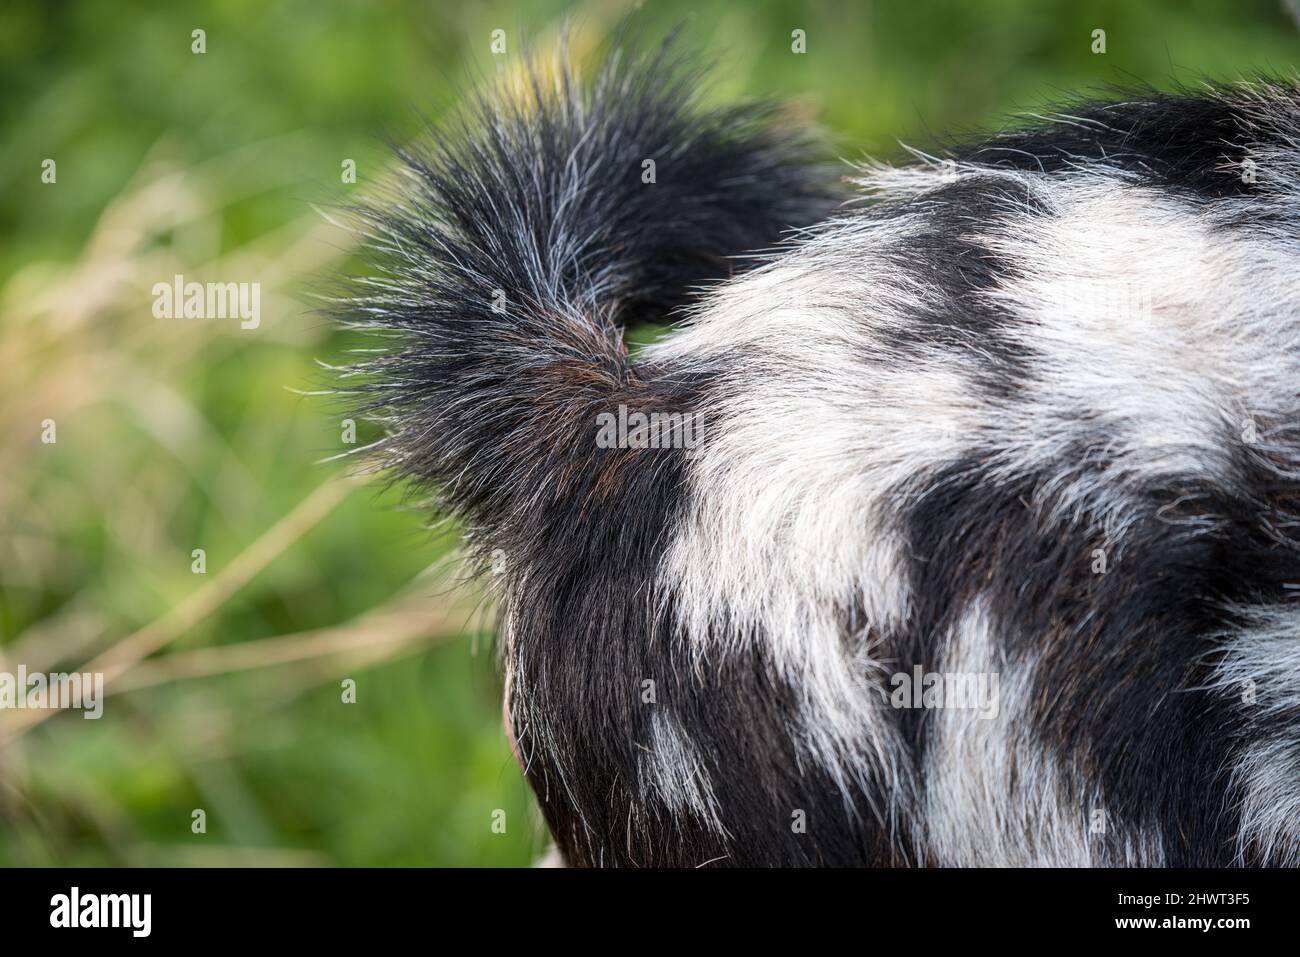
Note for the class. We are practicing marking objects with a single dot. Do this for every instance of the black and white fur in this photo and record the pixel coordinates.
(920, 431)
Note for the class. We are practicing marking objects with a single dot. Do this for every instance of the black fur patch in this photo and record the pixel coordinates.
(1194, 144)
(948, 256)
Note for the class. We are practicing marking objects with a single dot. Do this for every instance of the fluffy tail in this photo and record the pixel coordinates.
(532, 228)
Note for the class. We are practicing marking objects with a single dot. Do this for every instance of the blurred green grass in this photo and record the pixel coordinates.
(175, 435)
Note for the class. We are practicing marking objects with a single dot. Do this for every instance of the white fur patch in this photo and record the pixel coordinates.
(1147, 330)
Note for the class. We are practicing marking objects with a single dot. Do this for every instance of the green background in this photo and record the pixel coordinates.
(173, 435)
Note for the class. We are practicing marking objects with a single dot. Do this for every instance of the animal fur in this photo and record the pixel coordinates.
(1028, 411)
